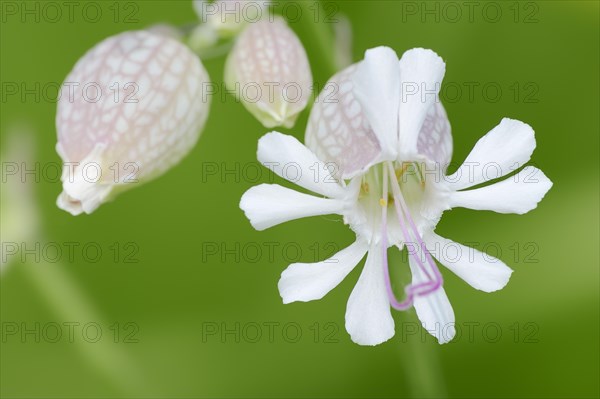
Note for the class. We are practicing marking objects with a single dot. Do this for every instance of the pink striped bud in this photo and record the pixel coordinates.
(135, 106)
(269, 73)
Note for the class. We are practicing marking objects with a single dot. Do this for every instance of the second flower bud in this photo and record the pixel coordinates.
(269, 73)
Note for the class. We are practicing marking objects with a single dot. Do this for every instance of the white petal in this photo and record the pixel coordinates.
(506, 148)
(368, 317)
(267, 205)
(290, 159)
(309, 281)
(85, 191)
(421, 74)
(517, 194)
(377, 89)
(482, 271)
(434, 310)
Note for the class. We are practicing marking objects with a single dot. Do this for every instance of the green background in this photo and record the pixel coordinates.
(177, 289)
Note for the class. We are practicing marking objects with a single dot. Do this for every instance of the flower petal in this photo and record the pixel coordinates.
(267, 205)
(421, 74)
(292, 160)
(377, 89)
(517, 194)
(368, 317)
(480, 270)
(309, 281)
(506, 148)
(434, 310)
(82, 193)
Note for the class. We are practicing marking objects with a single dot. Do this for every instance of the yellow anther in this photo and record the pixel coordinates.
(382, 202)
(401, 171)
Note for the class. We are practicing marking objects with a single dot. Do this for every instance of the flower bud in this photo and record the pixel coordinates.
(135, 106)
(268, 71)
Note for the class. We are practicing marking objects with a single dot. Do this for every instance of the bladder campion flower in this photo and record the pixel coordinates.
(387, 141)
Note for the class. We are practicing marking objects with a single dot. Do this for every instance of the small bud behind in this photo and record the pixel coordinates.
(269, 73)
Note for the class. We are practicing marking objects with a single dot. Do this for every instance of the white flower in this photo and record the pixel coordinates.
(268, 72)
(132, 108)
(390, 145)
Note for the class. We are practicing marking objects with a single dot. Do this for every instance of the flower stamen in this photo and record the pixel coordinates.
(407, 303)
(433, 282)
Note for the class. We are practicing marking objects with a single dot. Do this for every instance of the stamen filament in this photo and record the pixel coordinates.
(411, 290)
(401, 212)
(398, 197)
(407, 303)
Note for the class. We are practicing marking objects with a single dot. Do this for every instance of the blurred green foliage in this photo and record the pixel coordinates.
(545, 59)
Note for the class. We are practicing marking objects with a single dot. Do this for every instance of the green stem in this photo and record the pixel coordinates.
(322, 33)
(420, 362)
(71, 304)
